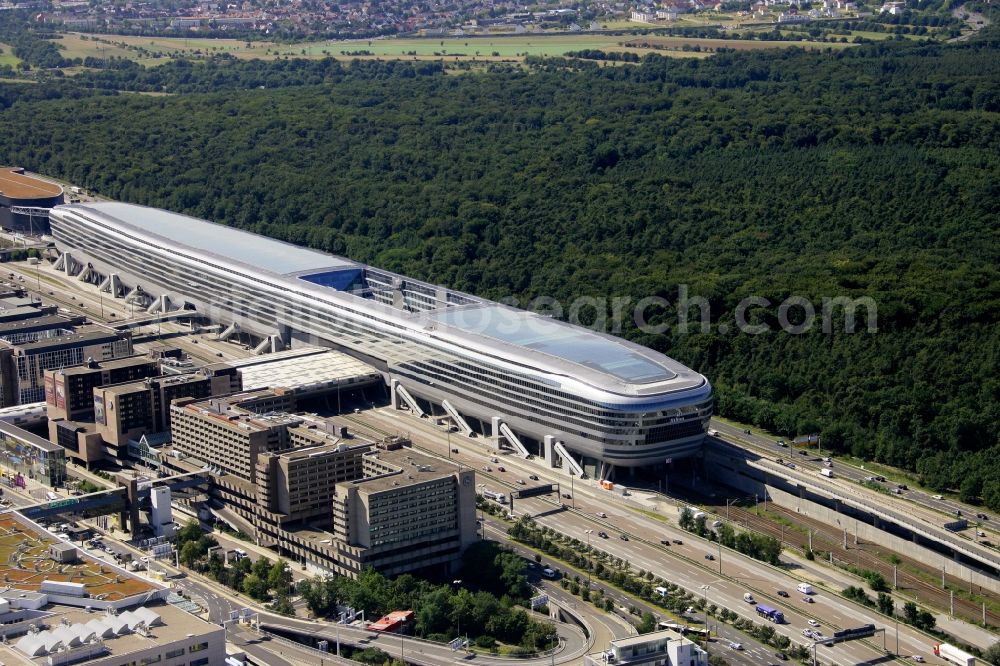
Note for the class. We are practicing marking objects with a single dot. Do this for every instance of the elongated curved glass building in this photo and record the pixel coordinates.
(595, 399)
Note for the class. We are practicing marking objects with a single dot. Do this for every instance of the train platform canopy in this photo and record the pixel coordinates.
(304, 372)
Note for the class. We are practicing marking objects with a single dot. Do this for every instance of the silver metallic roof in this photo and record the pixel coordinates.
(252, 249)
(580, 356)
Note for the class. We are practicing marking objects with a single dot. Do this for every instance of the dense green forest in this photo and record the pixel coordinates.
(868, 172)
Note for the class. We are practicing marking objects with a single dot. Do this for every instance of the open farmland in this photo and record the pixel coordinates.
(152, 50)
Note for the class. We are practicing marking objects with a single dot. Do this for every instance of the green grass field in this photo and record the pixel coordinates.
(8, 57)
(156, 50)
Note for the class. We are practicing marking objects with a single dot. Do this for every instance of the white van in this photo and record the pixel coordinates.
(747, 597)
(804, 588)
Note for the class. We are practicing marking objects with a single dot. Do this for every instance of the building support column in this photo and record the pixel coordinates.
(548, 450)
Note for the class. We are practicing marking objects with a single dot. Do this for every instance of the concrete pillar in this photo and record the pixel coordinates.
(548, 450)
(495, 432)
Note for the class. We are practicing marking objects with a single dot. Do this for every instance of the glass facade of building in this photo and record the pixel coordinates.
(29, 456)
(605, 398)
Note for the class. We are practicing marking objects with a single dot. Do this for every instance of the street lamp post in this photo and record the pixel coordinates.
(708, 632)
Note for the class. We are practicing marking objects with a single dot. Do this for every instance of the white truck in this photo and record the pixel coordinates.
(953, 655)
(804, 588)
(827, 472)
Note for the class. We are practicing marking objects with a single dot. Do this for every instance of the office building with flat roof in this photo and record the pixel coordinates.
(25, 455)
(407, 512)
(23, 364)
(587, 399)
(227, 436)
(296, 487)
(127, 411)
(69, 391)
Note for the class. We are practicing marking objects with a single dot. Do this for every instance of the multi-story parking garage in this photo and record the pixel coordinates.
(570, 394)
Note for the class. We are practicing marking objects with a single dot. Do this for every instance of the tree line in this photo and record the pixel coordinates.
(867, 172)
(486, 605)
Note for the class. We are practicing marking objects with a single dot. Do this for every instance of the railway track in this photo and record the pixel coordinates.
(862, 556)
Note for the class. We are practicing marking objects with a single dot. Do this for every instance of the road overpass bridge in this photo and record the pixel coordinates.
(884, 512)
(846, 498)
(158, 317)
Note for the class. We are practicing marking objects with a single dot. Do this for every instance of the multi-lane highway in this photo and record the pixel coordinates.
(684, 564)
(83, 298)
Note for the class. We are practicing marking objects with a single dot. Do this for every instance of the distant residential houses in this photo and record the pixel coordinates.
(669, 10)
(893, 8)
